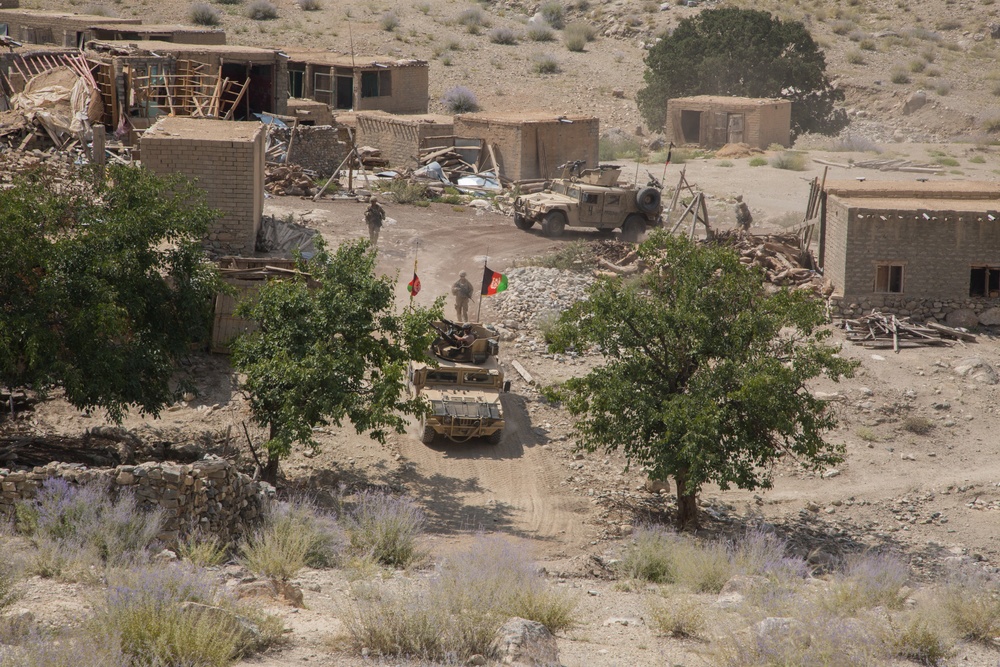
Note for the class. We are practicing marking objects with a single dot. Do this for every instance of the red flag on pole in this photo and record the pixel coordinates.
(413, 287)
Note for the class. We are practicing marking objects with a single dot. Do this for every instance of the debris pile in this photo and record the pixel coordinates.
(536, 295)
(367, 157)
(14, 163)
(739, 150)
(449, 159)
(884, 330)
(290, 180)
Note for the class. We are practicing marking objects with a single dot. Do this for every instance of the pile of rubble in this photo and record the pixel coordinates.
(290, 180)
(15, 162)
(536, 295)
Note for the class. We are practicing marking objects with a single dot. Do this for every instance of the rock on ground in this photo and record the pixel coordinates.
(523, 642)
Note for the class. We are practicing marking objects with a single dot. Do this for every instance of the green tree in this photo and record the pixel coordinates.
(103, 286)
(329, 348)
(705, 371)
(742, 52)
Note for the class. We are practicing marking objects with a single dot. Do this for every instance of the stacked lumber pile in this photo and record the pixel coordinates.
(450, 160)
(780, 255)
(900, 165)
(885, 330)
(369, 158)
(291, 180)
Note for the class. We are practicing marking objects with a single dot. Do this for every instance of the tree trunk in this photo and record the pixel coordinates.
(687, 505)
(270, 473)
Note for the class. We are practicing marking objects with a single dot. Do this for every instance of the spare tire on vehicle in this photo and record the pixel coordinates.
(647, 200)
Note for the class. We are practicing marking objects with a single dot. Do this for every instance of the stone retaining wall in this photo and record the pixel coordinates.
(957, 312)
(210, 494)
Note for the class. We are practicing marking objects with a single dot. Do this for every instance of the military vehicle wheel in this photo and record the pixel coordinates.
(428, 434)
(633, 229)
(522, 222)
(647, 200)
(554, 223)
(495, 438)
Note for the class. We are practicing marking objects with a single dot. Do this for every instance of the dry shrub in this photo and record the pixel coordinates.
(553, 13)
(294, 535)
(386, 528)
(867, 581)
(918, 425)
(789, 160)
(971, 603)
(544, 63)
(262, 10)
(920, 637)
(677, 617)
(461, 609)
(539, 32)
(504, 36)
(202, 13)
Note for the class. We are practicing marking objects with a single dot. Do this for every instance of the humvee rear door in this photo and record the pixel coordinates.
(612, 215)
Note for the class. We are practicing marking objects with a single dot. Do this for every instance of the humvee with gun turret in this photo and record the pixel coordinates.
(464, 386)
(590, 198)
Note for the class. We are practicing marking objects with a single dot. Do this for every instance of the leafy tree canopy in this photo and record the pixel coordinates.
(103, 286)
(706, 371)
(330, 349)
(742, 52)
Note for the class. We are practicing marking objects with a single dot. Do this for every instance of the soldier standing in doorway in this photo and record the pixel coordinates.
(374, 216)
(462, 289)
(743, 217)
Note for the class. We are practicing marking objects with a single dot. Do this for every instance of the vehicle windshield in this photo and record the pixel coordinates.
(478, 378)
(442, 377)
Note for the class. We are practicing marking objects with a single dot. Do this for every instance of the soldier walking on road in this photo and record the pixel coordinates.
(374, 216)
(743, 217)
(462, 289)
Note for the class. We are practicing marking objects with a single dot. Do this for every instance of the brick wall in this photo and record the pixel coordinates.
(228, 166)
(548, 145)
(937, 250)
(310, 111)
(318, 147)
(505, 138)
(409, 92)
(399, 139)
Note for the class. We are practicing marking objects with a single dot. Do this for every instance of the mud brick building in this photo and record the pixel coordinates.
(711, 121)
(37, 26)
(921, 249)
(266, 69)
(361, 83)
(183, 34)
(533, 145)
(227, 160)
(400, 138)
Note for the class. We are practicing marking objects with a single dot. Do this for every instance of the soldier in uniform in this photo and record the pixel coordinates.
(462, 289)
(374, 216)
(743, 217)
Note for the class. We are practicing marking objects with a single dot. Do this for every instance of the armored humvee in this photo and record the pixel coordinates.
(464, 388)
(590, 198)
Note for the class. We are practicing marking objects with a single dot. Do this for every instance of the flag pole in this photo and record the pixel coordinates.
(414, 276)
(670, 149)
(479, 311)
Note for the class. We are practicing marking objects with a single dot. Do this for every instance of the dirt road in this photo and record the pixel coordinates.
(514, 486)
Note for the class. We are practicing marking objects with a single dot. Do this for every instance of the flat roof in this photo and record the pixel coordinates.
(204, 129)
(888, 205)
(915, 190)
(408, 119)
(179, 47)
(337, 59)
(725, 99)
(155, 27)
(48, 14)
(521, 117)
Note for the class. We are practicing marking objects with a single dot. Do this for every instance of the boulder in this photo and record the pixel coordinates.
(523, 642)
(963, 317)
(977, 369)
(914, 101)
(990, 318)
(788, 630)
(657, 485)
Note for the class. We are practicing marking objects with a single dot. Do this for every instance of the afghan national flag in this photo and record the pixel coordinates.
(670, 151)
(493, 282)
(413, 287)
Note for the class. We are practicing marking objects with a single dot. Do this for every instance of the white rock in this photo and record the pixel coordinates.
(520, 641)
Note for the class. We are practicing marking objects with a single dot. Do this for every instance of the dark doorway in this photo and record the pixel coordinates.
(691, 126)
(345, 92)
(296, 80)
